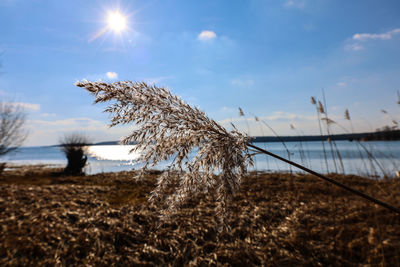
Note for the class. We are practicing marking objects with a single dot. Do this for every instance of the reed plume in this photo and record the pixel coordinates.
(169, 128)
(313, 102)
(347, 115)
(241, 113)
(321, 108)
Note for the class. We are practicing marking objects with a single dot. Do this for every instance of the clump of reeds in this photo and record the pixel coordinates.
(170, 128)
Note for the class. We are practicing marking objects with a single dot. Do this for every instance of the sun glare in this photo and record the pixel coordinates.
(116, 21)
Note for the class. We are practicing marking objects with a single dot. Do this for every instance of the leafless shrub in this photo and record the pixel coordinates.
(74, 148)
(170, 128)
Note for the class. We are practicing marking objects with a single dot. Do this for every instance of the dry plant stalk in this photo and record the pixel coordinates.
(321, 108)
(170, 128)
(347, 114)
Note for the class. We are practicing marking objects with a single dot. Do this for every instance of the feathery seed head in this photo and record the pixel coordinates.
(347, 114)
(170, 128)
(313, 101)
(321, 108)
(241, 113)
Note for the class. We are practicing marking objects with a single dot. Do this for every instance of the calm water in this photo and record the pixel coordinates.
(366, 158)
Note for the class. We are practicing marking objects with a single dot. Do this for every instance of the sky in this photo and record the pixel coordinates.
(266, 57)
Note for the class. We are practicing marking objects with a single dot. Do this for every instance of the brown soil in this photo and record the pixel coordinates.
(104, 220)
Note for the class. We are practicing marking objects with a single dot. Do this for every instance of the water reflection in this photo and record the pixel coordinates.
(113, 152)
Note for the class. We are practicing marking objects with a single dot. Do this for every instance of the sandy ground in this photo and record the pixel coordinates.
(105, 220)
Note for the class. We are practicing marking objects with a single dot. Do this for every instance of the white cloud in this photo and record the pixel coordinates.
(295, 4)
(341, 84)
(363, 37)
(373, 36)
(112, 75)
(207, 35)
(34, 107)
(48, 132)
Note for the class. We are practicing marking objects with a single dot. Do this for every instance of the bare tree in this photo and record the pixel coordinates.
(12, 133)
(74, 147)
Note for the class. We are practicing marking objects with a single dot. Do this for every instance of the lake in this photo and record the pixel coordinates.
(363, 158)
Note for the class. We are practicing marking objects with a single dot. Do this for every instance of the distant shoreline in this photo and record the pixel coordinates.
(369, 136)
(393, 135)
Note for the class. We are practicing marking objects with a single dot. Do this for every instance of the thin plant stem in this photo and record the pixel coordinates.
(280, 139)
(262, 133)
(329, 133)
(322, 142)
(357, 142)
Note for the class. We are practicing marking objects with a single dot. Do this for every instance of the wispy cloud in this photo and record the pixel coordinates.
(376, 36)
(71, 124)
(112, 75)
(341, 84)
(48, 132)
(45, 115)
(30, 106)
(207, 36)
(354, 47)
(353, 44)
(156, 80)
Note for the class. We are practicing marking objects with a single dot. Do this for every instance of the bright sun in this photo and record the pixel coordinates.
(116, 21)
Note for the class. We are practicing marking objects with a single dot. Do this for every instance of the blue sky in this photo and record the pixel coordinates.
(267, 57)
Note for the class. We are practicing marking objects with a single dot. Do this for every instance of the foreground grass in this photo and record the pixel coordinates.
(275, 219)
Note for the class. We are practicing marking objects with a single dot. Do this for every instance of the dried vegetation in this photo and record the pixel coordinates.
(105, 220)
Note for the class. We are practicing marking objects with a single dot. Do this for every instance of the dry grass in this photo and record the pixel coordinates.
(105, 219)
